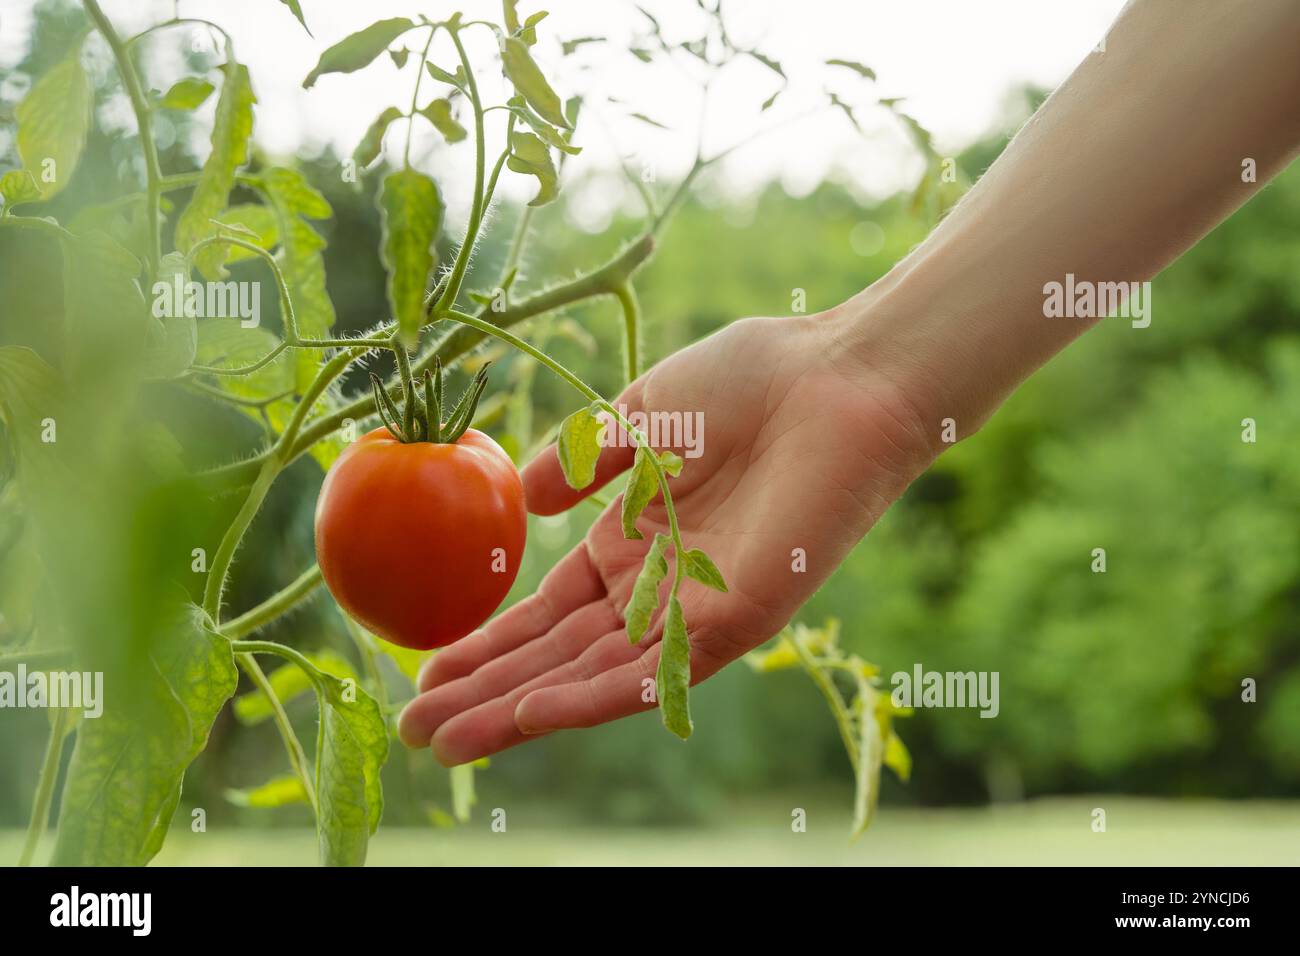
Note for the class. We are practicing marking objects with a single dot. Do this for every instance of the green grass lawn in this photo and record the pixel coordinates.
(1055, 831)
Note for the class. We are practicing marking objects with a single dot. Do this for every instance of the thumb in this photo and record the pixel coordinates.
(547, 492)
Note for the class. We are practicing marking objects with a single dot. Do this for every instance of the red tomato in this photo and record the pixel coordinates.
(407, 535)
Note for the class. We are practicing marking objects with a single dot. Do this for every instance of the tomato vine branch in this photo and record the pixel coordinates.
(44, 796)
(144, 120)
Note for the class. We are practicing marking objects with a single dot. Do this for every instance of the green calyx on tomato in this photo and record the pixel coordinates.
(422, 421)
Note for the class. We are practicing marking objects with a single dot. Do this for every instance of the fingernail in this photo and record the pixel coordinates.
(525, 726)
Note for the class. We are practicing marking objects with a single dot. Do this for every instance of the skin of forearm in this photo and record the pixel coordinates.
(1130, 162)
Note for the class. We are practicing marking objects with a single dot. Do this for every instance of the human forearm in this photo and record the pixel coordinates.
(1128, 164)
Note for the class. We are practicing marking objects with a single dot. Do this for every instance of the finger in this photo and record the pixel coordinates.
(546, 492)
(569, 585)
(565, 642)
(490, 727)
(618, 692)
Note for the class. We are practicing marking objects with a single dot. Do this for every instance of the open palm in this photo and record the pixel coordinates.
(803, 450)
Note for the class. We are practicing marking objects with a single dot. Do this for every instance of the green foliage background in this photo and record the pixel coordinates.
(1130, 441)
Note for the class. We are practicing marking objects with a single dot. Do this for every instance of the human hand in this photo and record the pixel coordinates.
(805, 446)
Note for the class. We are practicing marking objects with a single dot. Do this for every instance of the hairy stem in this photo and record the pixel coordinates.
(601, 281)
(292, 745)
(487, 328)
(631, 329)
(415, 96)
(45, 786)
(282, 601)
(452, 290)
(140, 106)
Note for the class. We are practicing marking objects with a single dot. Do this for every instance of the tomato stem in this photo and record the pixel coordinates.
(592, 395)
(45, 786)
(449, 294)
(144, 120)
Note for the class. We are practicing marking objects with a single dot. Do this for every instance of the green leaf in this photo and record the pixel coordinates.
(351, 749)
(768, 62)
(456, 79)
(578, 446)
(671, 463)
(858, 68)
(645, 119)
(700, 567)
(18, 186)
(529, 155)
(527, 78)
(411, 211)
(896, 756)
(301, 258)
(645, 592)
(188, 93)
(225, 343)
(230, 134)
(124, 780)
(289, 681)
(528, 32)
(296, 9)
(549, 134)
(368, 149)
(510, 13)
(439, 114)
(256, 222)
(104, 309)
(568, 47)
(358, 50)
(642, 486)
(782, 656)
(176, 339)
(302, 263)
(847, 110)
(673, 678)
(869, 758)
(277, 792)
(53, 120)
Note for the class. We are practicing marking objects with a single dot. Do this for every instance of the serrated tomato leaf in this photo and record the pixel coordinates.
(578, 446)
(645, 592)
(281, 791)
(438, 112)
(358, 49)
(53, 120)
(412, 210)
(527, 78)
(124, 780)
(700, 567)
(673, 678)
(642, 485)
(528, 154)
(18, 186)
(352, 747)
(230, 135)
(187, 93)
(367, 150)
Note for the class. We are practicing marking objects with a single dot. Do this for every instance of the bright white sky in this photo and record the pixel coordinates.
(953, 60)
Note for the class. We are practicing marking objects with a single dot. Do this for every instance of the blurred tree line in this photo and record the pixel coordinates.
(1129, 680)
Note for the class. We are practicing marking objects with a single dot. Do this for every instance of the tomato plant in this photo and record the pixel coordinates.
(412, 515)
